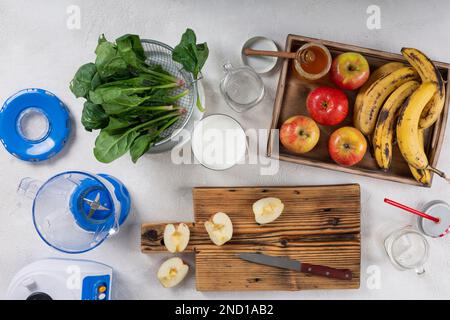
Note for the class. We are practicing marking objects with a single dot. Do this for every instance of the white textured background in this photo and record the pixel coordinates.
(38, 50)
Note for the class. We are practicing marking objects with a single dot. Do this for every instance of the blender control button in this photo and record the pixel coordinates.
(102, 289)
(102, 296)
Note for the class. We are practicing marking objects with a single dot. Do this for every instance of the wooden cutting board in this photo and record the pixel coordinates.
(319, 225)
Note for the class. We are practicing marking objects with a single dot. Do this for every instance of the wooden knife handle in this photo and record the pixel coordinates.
(342, 274)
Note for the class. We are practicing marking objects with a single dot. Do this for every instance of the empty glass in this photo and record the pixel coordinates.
(407, 249)
(241, 87)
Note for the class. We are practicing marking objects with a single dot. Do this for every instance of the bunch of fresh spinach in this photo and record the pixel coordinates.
(192, 56)
(131, 102)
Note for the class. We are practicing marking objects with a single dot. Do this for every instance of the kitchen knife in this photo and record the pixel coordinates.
(290, 264)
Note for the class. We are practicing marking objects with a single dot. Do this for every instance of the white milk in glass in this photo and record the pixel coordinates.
(219, 142)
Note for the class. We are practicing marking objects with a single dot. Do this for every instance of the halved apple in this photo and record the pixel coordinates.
(176, 239)
(267, 210)
(172, 272)
(219, 228)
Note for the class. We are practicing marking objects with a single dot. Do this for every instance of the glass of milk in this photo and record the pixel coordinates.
(219, 142)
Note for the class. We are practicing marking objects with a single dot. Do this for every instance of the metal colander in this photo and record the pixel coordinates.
(159, 53)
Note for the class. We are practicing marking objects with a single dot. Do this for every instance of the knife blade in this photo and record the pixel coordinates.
(278, 262)
(290, 264)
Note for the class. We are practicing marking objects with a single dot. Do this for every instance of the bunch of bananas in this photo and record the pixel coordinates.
(401, 101)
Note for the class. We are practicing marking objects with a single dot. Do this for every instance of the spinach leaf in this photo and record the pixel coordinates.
(109, 62)
(162, 97)
(126, 112)
(96, 81)
(114, 95)
(159, 69)
(117, 126)
(93, 116)
(202, 55)
(143, 143)
(190, 54)
(140, 146)
(109, 147)
(114, 109)
(127, 96)
(142, 80)
(130, 49)
(82, 82)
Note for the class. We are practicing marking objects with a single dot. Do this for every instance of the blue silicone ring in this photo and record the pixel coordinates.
(52, 142)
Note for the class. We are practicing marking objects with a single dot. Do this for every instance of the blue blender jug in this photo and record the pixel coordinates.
(75, 212)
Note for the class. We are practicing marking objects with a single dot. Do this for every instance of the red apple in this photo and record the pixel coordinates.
(347, 146)
(327, 106)
(349, 70)
(299, 134)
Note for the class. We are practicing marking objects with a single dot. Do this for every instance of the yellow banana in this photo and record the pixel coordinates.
(382, 71)
(428, 72)
(384, 129)
(377, 94)
(421, 175)
(408, 126)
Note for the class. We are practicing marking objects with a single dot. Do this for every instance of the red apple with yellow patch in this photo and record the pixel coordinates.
(299, 134)
(347, 146)
(349, 70)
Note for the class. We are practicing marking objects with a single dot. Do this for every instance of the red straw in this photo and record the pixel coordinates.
(414, 211)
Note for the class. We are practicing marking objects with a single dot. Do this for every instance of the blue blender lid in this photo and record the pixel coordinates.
(34, 125)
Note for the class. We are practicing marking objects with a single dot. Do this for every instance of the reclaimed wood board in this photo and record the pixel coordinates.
(319, 225)
(291, 100)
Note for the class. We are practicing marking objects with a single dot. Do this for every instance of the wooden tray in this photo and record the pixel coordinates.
(291, 100)
(320, 225)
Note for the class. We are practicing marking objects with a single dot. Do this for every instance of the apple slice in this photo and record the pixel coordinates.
(176, 239)
(220, 228)
(172, 272)
(267, 210)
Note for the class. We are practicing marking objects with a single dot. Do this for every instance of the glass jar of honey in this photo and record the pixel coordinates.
(312, 61)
